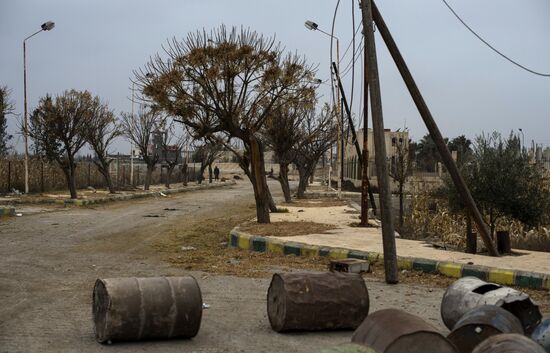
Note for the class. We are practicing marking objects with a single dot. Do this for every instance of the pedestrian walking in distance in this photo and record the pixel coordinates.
(216, 173)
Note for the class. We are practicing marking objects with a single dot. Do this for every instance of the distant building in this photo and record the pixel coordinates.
(352, 167)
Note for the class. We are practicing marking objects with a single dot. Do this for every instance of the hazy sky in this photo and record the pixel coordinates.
(96, 45)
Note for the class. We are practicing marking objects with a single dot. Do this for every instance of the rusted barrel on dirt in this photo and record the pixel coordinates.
(470, 292)
(316, 301)
(508, 343)
(396, 331)
(129, 309)
(348, 348)
(541, 334)
(481, 323)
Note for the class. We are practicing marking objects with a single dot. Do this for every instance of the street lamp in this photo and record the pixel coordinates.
(46, 26)
(340, 145)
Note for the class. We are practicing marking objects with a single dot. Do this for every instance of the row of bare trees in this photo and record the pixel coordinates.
(61, 126)
(233, 85)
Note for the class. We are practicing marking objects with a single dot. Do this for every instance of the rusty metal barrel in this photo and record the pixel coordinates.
(396, 331)
(316, 301)
(508, 343)
(470, 292)
(129, 309)
(481, 323)
(348, 348)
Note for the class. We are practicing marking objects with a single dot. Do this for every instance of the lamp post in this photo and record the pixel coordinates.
(46, 26)
(339, 146)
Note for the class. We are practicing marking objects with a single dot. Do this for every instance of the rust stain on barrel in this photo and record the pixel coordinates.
(316, 301)
(143, 308)
(396, 331)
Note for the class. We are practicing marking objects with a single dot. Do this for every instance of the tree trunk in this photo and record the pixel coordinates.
(271, 202)
(283, 179)
(302, 183)
(185, 174)
(401, 205)
(210, 173)
(71, 180)
(103, 167)
(148, 176)
(169, 171)
(200, 177)
(259, 181)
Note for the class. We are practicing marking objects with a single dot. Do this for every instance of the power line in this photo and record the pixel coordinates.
(490, 46)
(351, 42)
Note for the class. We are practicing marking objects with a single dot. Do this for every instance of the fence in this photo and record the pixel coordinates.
(47, 176)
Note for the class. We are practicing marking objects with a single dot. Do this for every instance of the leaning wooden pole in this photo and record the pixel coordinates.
(434, 131)
(388, 233)
(358, 151)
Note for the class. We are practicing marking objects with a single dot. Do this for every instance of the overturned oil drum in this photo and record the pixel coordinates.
(129, 309)
(470, 292)
(316, 301)
(481, 323)
(508, 343)
(541, 334)
(348, 348)
(396, 331)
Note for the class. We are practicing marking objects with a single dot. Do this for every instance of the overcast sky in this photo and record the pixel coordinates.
(469, 89)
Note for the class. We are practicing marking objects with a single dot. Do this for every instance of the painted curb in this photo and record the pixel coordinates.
(534, 280)
(87, 202)
(7, 211)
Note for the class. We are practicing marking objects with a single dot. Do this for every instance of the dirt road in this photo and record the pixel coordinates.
(50, 260)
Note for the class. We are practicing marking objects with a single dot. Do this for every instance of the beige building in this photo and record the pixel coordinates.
(352, 167)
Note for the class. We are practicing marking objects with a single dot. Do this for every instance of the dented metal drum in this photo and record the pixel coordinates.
(396, 331)
(541, 334)
(470, 292)
(508, 343)
(316, 301)
(481, 323)
(128, 309)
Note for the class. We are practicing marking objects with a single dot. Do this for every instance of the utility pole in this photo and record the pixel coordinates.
(131, 143)
(433, 129)
(365, 184)
(388, 232)
(355, 142)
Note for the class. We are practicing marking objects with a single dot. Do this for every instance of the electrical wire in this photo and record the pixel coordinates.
(347, 69)
(350, 42)
(490, 46)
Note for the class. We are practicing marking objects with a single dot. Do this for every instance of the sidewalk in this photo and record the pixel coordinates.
(524, 269)
(89, 198)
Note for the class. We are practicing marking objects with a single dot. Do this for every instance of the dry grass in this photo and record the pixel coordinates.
(286, 228)
(209, 238)
(429, 218)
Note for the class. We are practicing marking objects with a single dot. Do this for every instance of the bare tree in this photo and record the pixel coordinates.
(6, 107)
(206, 154)
(283, 134)
(172, 145)
(400, 170)
(100, 133)
(319, 133)
(226, 82)
(138, 128)
(57, 127)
